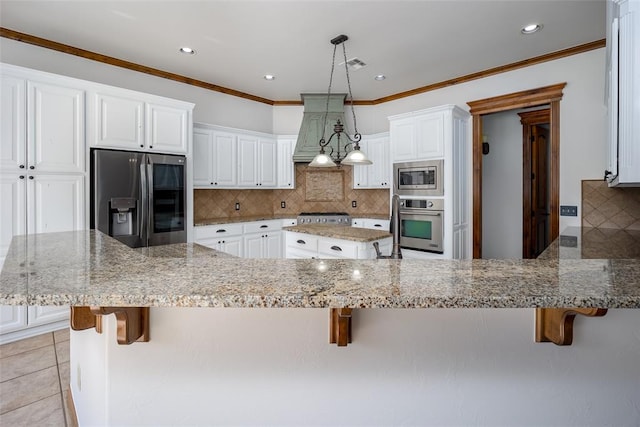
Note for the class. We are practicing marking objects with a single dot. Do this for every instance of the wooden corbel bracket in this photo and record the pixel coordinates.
(556, 324)
(132, 322)
(340, 326)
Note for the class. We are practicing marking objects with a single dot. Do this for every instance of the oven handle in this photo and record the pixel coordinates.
(439, 213)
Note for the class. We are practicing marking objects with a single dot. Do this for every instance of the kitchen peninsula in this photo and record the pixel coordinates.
(215, 357)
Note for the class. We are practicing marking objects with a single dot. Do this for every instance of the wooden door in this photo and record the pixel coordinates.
(540, 208)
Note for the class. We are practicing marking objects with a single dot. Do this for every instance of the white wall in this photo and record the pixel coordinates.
(582, 114)
(211, 107)
(502, 187)
(476, 367)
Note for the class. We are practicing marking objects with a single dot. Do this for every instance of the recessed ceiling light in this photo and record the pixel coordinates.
(269, 77)
(380, 77)
(187, 50)
(531, 28)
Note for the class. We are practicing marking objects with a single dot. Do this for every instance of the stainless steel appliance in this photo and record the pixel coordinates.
(422, 224)
(422, 178)
(324, 218)
(139, 198)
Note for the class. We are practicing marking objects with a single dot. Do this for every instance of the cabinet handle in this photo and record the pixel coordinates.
(212, 183)
(21, 176)
(377, 225)
(151, 146)
(302, 242)
(336, 248)
(32, 167)
(222, 230)
(30, 176)
(21, 166)
(264, 226)
(141, 146)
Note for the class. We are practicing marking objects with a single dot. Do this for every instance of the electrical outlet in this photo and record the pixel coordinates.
(237, 206)
(354, 204)
(283, 204)
(566, 210)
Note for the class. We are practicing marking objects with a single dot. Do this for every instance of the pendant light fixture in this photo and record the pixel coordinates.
(351, 154)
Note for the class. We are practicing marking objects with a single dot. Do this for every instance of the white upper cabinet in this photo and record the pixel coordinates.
(284, 162)
(123, 119)
(623, 92)
(418, 135)
(118, 121)
(378, 174)
(226, 158)
(167, 128)
(42, 127)
(13, 126)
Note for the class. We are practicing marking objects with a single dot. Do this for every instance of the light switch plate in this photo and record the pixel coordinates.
(568, 210)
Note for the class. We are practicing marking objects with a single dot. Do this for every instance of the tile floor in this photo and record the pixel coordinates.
(34, 379)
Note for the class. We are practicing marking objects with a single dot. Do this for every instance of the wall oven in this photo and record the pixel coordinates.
(422, 178)
(422, 224)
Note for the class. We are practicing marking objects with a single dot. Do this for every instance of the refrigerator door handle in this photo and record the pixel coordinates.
(144, 202)
(149, 198)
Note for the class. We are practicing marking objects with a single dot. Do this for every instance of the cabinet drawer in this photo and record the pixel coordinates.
(262, 226)
(289, 222)
(295, 253)
(377, 224)
(338, 248)
(218, 230)
(301, 241)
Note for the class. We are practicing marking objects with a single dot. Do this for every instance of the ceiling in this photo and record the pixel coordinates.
(413, 43)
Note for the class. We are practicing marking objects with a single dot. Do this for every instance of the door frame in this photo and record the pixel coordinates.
(550, 95)
(528, 119)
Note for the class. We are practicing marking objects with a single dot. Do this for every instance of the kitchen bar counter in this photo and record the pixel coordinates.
(340, 232)
(594, 243)
(88, 268)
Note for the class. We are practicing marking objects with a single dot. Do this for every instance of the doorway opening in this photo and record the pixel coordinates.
(549, 95)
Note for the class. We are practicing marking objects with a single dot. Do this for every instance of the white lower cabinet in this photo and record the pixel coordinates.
(373, 224)
(221, 237)
(12, 318)
(302, 245)
(263, 245)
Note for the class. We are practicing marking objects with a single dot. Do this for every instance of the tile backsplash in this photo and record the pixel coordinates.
(605, 207)
(317, 190)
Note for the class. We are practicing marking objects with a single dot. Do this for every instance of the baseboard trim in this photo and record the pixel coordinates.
(71, 410)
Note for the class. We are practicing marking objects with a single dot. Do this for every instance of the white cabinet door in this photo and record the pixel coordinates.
(361, 172)
(13, 215)
(55, 203)
(203, 158)
(284, 163)
(266, 163)
(380, 170)
(41, 315)
(55, 128)
(12, 318)
(430, 136)
(233, 246)
(273, 246)
(253, 245)
(247, 161)
(167, 129)
(403, 139)
(13, 127)
(118, 122)
(225, 163)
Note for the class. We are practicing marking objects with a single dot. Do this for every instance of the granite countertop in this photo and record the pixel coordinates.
(340, 232)
(90, 268)
(231, 220)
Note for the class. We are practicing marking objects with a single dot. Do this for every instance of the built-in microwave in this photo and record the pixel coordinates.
(423, 178)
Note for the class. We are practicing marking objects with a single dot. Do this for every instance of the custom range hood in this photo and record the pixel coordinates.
(315, 108)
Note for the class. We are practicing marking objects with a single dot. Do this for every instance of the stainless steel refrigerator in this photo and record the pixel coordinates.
(139, 198)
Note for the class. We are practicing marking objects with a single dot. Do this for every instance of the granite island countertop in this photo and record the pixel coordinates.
(90, 268)
(340, 232)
